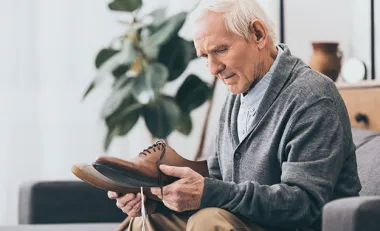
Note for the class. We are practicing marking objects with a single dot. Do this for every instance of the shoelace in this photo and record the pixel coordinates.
(143, 212)
(159, 144)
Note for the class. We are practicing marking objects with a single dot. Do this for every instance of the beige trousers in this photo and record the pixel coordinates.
(208, 219)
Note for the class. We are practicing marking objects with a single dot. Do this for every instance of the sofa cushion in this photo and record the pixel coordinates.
(368, 158)
(360, 136)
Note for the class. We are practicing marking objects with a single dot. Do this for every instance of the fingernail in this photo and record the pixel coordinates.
(111, 194)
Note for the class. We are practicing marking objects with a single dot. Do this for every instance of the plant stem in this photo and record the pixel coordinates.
(205, 124)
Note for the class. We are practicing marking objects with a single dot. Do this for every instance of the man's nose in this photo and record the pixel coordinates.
(214, 66)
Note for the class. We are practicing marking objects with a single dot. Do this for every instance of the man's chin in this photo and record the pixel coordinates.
(235, 89)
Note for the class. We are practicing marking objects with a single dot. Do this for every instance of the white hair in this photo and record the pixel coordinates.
(238, 14)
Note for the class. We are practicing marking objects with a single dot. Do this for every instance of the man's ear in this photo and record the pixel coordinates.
(258, 33)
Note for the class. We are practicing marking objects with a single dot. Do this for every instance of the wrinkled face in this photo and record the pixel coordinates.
(230, 57)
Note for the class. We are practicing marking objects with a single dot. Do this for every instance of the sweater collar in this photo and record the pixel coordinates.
(280, 76)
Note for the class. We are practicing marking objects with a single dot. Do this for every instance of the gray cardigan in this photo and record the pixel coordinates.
(298, 155)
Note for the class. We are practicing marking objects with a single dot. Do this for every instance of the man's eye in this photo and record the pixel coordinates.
(220, 51)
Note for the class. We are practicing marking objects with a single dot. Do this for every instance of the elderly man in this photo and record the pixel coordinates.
(283, 148)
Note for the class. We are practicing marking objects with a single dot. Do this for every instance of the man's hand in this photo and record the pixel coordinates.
(183, 194)
(131, 203)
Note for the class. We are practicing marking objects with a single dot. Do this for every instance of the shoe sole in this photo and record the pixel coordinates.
(121, 175)
(102, 182)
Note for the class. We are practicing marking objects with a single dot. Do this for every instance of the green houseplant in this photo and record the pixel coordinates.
(140, 62)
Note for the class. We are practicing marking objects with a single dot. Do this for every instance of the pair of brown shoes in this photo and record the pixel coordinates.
(128, 176)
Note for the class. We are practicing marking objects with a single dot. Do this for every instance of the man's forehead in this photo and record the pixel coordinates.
(210, 23)
(209, 41)
(206, 39)
(211, 31)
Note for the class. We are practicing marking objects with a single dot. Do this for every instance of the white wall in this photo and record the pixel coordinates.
(343, 21)
(377, 37)
(47, 60)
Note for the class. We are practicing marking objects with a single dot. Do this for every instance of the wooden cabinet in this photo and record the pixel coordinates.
(363, 104)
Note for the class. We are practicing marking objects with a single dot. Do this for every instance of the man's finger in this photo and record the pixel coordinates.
(126, 198)
(129, 206)
(112, 195)
(180, 172)
(136, 208)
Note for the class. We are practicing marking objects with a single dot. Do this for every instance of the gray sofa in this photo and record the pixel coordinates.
(79, 202)
(359, 213)
(62, 202)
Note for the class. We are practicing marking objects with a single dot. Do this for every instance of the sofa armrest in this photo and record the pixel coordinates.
(352, 214)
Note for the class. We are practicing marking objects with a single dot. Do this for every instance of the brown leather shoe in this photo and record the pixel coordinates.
(90, 175)
(143, 170)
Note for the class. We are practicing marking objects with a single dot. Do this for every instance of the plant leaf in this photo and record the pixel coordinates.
(158, 16)
(148, 21)
(150, 80)
(161, 117)
(123, 119)
(129, 119)
(152, 19)
(151, 51)
(103, 55)
(164, 31)
(142, 89)
(129, 104)
(116, 98)
(111, 133)
(192, 93)
(176, 55)
(89, 89)
(159, 74)
(184, 125)
(120, 70)
(124, 57)
(121, 82)
(125, 5)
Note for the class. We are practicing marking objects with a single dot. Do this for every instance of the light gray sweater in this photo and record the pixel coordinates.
(298, 155)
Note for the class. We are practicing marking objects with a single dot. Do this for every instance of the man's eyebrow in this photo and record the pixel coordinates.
(218, 47)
